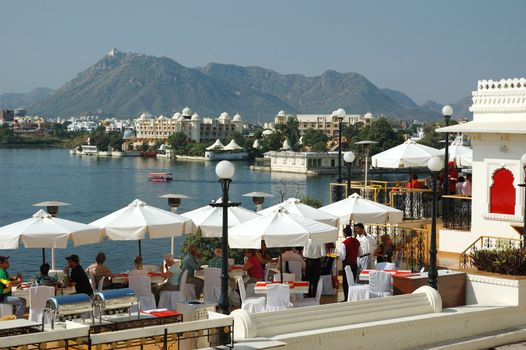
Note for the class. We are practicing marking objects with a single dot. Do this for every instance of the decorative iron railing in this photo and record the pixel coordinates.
(412, 244)
(368, 192)
(456, 212)
(415, 203)
(465, 259)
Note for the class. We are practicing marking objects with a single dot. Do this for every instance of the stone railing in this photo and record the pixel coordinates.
(465, 260)
(415, 203)
(413, 244)
(456, 212)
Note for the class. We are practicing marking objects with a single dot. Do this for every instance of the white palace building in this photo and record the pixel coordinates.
(151, 129)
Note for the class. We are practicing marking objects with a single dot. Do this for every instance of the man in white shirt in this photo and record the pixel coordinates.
(367, 245)
(348, 253)
(313, 254)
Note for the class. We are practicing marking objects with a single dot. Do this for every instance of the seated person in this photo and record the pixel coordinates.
(172, 275)
(290, 254)
(99, 270)
(6, 283)
(43, 279)
(78, 278)
(191, 264)
(253, 267)
(217, 260)
(263, 254)
(138, 270)
(413, 182)
(385, 250)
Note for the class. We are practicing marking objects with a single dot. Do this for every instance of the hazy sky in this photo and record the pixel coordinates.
(429, 50)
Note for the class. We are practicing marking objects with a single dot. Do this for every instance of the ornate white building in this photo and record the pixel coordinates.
(498, 138)
(150, 128)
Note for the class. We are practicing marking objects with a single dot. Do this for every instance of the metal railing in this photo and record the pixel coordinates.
(415, 203)
(456, 212)
(412, 244)
(465, 260)
(368, 192)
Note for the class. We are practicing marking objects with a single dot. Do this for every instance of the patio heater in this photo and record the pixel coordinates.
(447, 111)
(435, 165)
(348, 157)
(366, 147)
(258, 198)
(174, 202)
(52, 209)
(340, 113)
(224, 171)
(523, 162)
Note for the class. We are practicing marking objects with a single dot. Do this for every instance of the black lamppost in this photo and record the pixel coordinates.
(52, 209)
(366, 148)
(447, 112)
(348, 157)
(340, 113)
(174, 201)
(435, 165)
(224, 171)
(523, 162)
(258, 198)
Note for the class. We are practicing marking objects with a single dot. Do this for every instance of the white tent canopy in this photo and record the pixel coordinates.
(232, 146)
(216, 145)
(460, 154)
(45, 231)
(294, 206)
(210, 219)
(407, 155)
(280, 229)
(359, 209)
(135, 220)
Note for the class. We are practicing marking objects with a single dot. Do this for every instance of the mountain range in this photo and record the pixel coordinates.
(127, 84)
(23, 100)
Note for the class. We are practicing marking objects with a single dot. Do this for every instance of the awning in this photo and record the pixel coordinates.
(488, 127)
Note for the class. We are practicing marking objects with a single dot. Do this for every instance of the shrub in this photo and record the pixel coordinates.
(507, 261)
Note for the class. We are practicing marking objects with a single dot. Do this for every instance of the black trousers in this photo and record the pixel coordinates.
(312, 273)
(354, 269)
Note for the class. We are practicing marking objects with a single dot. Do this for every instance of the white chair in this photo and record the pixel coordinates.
(168, 299)
(267, 271)
(91, 278)
(278, 297)
(142, 286)
(101, 284)
(212, 287)
(386, 266)
(356, 291)
(287, 277)
(6, 310)
(311, 301)
(295, 267)
(379, 284)
(250, 305)
(231, 262)
(37, 299)
(423, 269)
(151, 268)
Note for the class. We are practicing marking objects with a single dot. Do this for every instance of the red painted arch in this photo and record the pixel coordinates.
(502, 193)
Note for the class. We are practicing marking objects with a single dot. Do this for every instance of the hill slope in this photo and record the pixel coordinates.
(21, 100)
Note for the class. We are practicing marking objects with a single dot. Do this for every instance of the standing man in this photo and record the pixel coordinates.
(313, 254)
(6, 283)
(191, 264)
(78, 277)
(367, 245)
(348, 253)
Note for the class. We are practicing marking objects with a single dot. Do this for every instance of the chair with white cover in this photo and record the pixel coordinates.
(212, 287)
(295, 267)
(151, 268)
(250, 305)
(142, 286)
(38, 297)
(328, 288)
(287, 277)
(168, 299)
(278, 297)
(267, 271)
(101, 284)
(311, 301)
(91, 278)
(379, 284)
(6, 309)
(386, 266)
(356, 291)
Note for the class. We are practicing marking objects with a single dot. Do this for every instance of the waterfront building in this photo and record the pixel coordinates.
(31, 125)
(311, 163)
(83, 124)
(498, 136)
(7, 116)
(326, 123)
(151, 129)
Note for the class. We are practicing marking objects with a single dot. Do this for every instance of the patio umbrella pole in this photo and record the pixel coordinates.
(140, 250)
(43, 255)
(52, 258)
(281, 263)
(411, 192)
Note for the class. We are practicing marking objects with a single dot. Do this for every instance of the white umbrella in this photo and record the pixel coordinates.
(137, 219)
(407, 155)
(280, 229)
(359, 209)
(459, 154)
(210, 219)
(45, 231)
(294, 206)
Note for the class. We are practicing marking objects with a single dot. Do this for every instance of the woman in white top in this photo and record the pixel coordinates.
(138, 270)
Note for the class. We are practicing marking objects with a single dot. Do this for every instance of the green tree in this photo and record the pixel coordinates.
(272, 142)
(316, 140)
(313, 202)
(178, 140)
(431, 137)
(290, 131)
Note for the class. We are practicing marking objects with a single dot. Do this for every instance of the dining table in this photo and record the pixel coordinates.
(364, 274)
(22, 291)
(296, 287)
(235, 272)
(122, 278)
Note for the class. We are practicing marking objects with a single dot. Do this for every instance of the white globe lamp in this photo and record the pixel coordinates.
(348, 157)
(447, 111)
(340, 112)
(435, 164)
(225, 169)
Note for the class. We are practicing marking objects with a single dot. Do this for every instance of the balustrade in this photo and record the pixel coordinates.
(456, 212)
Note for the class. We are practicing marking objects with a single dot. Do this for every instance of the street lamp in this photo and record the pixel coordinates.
(174, 201)
(348, 157)
(224, 171)
(258, 198)
(340, 113)
(52, 209)
(523, 162)
(447, 112)
(435, 165)
(366, 145)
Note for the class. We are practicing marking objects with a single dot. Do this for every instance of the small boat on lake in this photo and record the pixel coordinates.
(160, 177)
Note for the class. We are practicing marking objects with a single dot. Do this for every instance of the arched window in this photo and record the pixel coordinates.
(502, 193)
